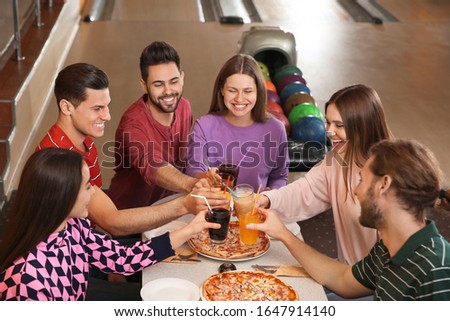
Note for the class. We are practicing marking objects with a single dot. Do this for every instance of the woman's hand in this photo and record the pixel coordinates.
(263, 201)
(198, 224)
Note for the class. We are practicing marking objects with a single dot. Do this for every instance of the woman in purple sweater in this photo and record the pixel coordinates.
(238, 129)
(49, 247)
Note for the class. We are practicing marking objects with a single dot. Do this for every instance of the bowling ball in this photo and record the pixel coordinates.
(296, 87)
(282, 117)
(286, 80)
(285, 70)
(271, 96)
(297, 99)
(304, 110)
(264, 69)
(274, 107)
(309, 129)
(270, 86)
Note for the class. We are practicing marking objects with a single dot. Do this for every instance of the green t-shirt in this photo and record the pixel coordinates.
(419, 271)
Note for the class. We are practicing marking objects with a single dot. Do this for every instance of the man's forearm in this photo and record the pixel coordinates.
(141, 219)
(172, 179)
(323, 269)
(104, 213)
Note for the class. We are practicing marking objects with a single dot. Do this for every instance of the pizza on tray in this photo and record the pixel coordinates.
(232, 248)
(247, 286)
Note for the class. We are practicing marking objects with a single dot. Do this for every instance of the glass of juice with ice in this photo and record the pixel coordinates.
(244, 202)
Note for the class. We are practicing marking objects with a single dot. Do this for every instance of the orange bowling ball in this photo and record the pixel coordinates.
(271, 86)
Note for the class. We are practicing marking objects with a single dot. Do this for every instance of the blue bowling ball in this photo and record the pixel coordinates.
(309, 129)
(293, 88)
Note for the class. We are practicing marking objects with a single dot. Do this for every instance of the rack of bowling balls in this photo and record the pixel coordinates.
(289, 99)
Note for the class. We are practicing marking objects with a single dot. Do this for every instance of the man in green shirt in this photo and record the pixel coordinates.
(398, 190)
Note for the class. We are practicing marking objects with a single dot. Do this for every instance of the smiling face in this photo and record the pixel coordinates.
(164, 86)
(239, 96)
(335, 126)
(80, 208)
(90, 116)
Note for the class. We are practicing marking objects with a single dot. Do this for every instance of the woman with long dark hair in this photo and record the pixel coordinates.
(49, 246)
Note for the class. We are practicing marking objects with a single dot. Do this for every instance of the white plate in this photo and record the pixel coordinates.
(174, 225)
(170, 289)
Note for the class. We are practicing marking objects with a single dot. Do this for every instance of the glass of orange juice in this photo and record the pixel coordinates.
(248, 237)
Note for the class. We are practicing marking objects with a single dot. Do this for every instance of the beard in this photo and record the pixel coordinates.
(371, 215)
(166, 108)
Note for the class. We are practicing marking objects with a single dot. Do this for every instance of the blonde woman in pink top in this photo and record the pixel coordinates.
(355, 121)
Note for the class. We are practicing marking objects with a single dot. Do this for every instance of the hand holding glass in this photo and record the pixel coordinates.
(220, 186)
(221, 216)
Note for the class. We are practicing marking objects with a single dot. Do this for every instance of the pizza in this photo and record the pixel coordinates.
(232, 248)
(247, 286)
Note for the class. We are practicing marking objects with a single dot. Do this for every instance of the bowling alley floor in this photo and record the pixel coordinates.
(406, 58)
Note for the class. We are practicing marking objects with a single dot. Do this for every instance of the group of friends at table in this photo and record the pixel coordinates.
(64, 227)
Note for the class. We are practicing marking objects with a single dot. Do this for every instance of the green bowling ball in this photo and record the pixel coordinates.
(284, 71)
(304, 110)
(264, 69)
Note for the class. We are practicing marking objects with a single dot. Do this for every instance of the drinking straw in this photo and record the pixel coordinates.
(256, 199)
(206, 201)
(231, 191)
(259, 189)
(205, 161)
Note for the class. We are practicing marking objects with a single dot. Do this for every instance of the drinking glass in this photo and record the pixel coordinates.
(244, 202)
(221, 216)
(230, 169)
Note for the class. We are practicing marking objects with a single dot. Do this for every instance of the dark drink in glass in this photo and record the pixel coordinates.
(221, 216)
(230, 169)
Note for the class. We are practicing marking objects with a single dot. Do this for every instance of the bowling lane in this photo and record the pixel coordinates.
(302, 11)
(418, 11)
(156, 10)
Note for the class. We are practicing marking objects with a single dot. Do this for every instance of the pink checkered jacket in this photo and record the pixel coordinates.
(58, 268)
